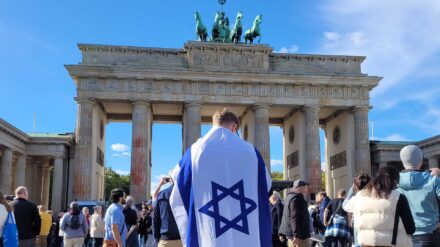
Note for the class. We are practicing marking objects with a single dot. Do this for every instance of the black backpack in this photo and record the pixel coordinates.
(75, 222)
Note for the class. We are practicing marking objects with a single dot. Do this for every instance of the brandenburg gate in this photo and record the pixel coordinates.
(298, 92)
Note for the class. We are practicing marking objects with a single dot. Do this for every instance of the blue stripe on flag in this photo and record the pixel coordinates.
(184, 182)
(263, 205)
(184, 179)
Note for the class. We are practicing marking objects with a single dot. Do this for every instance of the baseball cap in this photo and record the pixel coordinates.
(299, 183)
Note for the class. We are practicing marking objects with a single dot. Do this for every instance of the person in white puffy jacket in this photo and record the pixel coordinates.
(383, 216)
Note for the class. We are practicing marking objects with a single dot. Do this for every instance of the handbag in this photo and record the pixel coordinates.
(338, 226)
(10, 232)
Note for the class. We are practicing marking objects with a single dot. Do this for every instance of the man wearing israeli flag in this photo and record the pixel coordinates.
(220, 196)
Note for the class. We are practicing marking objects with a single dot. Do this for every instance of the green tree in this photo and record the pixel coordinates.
(114, 180)
(276, 175)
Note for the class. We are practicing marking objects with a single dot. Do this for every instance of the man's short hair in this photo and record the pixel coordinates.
(342, 193)
(224, 117)
(116, 194)
(41, 208)
(20, 190)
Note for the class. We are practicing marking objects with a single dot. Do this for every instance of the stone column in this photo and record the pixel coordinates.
(37, 183)
(433, 162)
(83, 169)
(362, 141)
(6, 172)
(140, 172)
(45, 185)
(191, 124)
(57, 185)
(328, 175)
(20, 171)
(312, 149)
(262, 143)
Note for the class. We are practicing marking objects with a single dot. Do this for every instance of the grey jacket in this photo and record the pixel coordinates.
(74, 233)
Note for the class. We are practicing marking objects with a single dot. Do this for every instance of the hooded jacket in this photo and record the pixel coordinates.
(422, 190)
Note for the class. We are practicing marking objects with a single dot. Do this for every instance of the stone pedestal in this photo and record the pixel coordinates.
(140, 172)
(57, 185)
(6, 172)
(83, 169)
(20, 171)
(262, 132)
(45, 185)
(312, 151)
(191, 124)
(362, 142)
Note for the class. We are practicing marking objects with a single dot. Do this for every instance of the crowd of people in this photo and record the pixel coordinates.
(36, 226)
(389, 209)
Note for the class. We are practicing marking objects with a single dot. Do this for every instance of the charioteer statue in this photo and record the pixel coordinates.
(220, 31)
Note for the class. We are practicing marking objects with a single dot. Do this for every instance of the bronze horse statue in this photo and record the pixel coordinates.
(201, 32)
(237, 30)
(254, 32)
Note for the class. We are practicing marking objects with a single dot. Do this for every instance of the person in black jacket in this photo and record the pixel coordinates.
(144, 224)
(276, 211)
(165, 229)
(295, 224)
(27, 218)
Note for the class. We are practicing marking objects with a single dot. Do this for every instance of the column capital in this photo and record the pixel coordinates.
(193, 104)
(147, 103)
(260, 106)
(360, 108)
(84, 100)
(307, 108)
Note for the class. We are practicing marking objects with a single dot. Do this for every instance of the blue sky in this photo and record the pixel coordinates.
(401, 39)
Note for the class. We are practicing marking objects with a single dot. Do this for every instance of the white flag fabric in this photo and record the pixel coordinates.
(221, 193)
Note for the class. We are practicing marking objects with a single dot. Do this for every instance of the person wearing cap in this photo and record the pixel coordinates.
(295, 224)
(422, 191)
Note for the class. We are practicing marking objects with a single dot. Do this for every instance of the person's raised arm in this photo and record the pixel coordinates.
(156, 192)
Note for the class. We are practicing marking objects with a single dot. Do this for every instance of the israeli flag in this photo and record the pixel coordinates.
(221, 193)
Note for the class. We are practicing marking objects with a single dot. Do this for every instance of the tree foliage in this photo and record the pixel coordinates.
(114, 180)
(276, 175)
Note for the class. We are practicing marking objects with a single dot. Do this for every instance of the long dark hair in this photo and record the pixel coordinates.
(5, 203)
(383, 183)
(361, 179)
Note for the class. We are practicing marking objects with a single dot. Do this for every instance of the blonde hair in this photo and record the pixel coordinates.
(20, 190)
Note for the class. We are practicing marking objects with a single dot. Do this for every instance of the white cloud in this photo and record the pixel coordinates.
(119, 147)
(126, 154)
(274, 162)
(291, 49)
(396, 36)
(332, 36)
(122, 172)
(395, 137)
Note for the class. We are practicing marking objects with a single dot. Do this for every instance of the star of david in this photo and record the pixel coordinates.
(222, 224)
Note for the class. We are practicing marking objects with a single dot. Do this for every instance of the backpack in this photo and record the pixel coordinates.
(10, 232)
(75, 222)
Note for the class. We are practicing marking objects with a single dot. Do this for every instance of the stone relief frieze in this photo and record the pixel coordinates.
(326, 93)
(91, 84)
(131, 86)
(227, 60)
